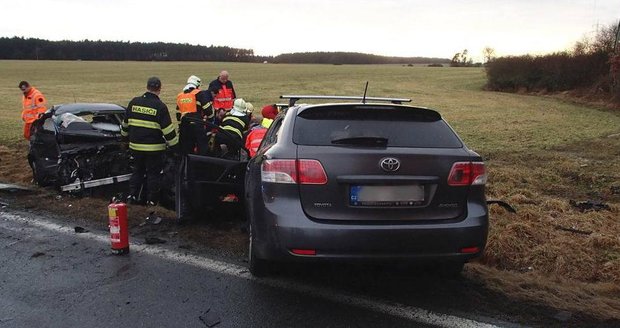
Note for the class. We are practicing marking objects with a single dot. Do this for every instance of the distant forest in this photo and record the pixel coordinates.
(353, 58)
(38, 49)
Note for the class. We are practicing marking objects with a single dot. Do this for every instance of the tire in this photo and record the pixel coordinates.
(258, 267)
(38, 177)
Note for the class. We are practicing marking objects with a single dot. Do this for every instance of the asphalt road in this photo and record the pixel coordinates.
(62, 279)
(51, 276)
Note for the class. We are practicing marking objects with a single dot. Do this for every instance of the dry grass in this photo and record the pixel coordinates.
(535, 238)
(598, 300)
(541, 152)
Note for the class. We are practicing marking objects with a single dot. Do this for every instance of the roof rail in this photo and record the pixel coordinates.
(292, 99)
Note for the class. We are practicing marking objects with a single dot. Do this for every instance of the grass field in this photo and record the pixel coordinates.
(487, 121)
(541, 153)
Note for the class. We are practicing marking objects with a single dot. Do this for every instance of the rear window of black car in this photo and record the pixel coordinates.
(367, 125)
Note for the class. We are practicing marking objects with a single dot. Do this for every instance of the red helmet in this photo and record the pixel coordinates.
(269, 111)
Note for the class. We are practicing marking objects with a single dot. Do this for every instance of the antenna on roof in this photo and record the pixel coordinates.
(365, 90)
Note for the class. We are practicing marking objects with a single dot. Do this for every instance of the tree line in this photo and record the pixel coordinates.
(352, 58)
(39, 49)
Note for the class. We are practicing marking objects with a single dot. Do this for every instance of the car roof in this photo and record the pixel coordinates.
(88, 108)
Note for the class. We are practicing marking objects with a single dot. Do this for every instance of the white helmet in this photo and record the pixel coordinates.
(239, 107)
(249, 108)
(195, 80)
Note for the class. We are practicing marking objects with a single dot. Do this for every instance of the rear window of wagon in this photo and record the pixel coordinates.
(401, 126)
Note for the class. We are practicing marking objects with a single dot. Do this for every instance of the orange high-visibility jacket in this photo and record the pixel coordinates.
(186, 102)
(33, 104)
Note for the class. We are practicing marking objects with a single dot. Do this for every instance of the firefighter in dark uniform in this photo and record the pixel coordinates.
(194, 105)
(149, 128)
(236, 124)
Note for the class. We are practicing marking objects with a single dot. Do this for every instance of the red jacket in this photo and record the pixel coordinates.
(253, 140)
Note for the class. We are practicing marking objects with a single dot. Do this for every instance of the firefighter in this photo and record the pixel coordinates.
(194, 104)
(236, 123)
(223, 92)
(149, 128)
(256, 135)
(33, 105)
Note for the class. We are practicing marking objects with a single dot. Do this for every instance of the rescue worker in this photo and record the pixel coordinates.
(33, 105)
(223, 92)
(256, 135)
(194, 104)
(147, 122)
(236, 123)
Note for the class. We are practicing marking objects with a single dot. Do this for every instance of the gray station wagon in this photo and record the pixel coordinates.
(370, 179)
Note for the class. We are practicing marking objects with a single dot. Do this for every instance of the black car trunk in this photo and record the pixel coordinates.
(383, 164)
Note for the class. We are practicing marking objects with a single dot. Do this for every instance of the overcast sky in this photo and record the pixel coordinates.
(271, 27)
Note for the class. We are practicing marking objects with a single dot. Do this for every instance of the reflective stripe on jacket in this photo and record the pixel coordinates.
(223, 94)
(237, 125)
(224, 98)
(266, 122)
(147, 124)
(33, 104)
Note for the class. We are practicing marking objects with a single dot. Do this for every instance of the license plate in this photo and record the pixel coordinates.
(398, 195)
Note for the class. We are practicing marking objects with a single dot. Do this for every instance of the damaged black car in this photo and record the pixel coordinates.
(77, 146)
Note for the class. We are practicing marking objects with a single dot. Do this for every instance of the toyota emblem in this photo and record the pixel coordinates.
(390, 164)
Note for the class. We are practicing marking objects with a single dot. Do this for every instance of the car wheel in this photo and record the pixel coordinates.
(38, 177)
(258, 266)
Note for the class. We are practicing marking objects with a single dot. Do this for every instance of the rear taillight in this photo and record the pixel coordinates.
(279, 171)
(467, 173)
(301, 171)
(298, 251)
(470, 250)
(311, 171)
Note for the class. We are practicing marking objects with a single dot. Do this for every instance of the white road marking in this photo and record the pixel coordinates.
(392, 309)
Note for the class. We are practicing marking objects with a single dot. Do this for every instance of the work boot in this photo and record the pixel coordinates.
(153, 218)
(131, 199)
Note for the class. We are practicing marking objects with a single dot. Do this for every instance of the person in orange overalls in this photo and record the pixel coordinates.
(33, 105)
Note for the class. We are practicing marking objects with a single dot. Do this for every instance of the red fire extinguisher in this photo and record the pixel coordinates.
(119, 233)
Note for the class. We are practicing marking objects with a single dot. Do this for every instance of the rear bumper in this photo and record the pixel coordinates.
(281, 228)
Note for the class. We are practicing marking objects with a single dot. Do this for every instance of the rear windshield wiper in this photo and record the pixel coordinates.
(362, 141)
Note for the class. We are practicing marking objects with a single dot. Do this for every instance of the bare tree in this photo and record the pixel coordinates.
(456, 60)
(460, 59)
(605, 38)
(582, 47)
(602, 42)
(488, 53)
